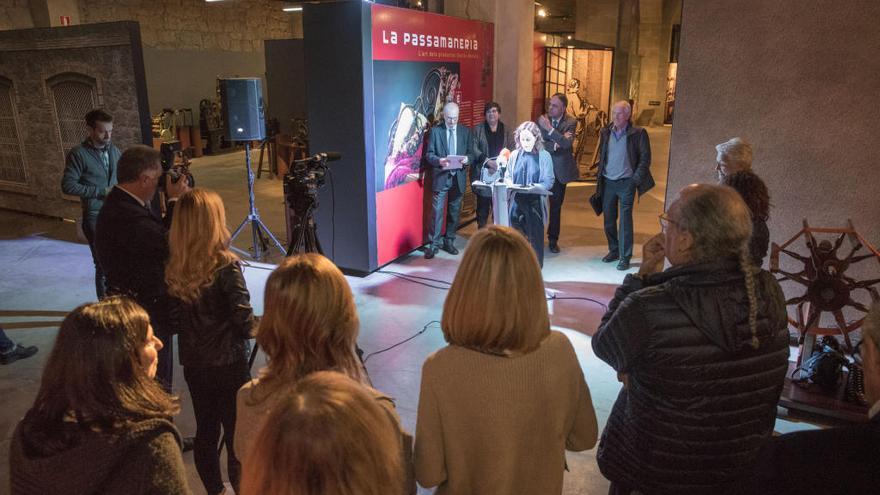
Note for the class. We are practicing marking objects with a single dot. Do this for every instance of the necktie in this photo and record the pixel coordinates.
(105, 157)
(451, 140)
(555, 123)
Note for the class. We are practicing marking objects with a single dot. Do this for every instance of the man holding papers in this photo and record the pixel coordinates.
(450, 151)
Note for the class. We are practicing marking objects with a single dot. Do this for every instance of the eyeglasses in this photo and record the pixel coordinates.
(665, 221)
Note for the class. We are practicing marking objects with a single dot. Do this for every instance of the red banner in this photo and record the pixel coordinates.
(420, 61)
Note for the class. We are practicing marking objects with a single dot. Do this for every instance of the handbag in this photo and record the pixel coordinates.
(596, 203)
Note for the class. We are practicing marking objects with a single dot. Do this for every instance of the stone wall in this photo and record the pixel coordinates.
(15, 14)
(189, 43)
(108, 54)
(239, 26)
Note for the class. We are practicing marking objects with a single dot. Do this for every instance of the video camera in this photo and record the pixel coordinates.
(170, 151)
(302, 182)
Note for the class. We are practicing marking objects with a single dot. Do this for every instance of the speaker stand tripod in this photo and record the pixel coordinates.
(258, 228)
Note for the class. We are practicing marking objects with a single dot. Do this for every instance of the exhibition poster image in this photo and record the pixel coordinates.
(421, 61)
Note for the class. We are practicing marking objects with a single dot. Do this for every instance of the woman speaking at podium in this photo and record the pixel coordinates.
(530, 167)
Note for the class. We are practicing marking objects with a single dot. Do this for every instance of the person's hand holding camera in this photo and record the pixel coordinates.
(176, 189)
(653, 255)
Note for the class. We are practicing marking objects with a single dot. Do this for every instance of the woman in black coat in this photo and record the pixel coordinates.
(215, 320)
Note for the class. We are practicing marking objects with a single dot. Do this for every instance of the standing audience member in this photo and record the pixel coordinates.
(448, 184)
(732, 156)
(215, 324)
(702, 351)
(530, 164)
(11, 352)
(132, 243)
(754, 192)
(557, 130)
(90, 173)
(326, 435)
(490, 138)
(837, 460)
(309, 324)
(733, 164)
(502, 402)
(100, 422)
(624, 169)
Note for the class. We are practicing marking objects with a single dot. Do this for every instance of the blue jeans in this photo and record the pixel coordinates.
(621, 191)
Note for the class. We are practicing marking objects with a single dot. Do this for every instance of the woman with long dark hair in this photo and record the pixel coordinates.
(100, 422)
(215, 321)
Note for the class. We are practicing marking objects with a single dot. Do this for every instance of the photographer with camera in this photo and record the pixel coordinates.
(132, 243)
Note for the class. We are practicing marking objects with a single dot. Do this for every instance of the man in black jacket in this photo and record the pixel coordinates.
(833, 461)
(448, 185)
(557, 130)
(132, 243)
(702, 350)
(624, 169)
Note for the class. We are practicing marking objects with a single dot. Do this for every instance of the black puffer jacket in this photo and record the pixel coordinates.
(700, 401)
(214, 330)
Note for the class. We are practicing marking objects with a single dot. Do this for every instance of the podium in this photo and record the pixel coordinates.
(503, 192)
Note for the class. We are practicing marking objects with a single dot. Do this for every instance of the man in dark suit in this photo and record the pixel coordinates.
(447, 139)
(132, 243)
(831, 461)
(624, 169)
(557, 129)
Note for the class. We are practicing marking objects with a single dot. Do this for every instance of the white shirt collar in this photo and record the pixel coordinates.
(126, 191)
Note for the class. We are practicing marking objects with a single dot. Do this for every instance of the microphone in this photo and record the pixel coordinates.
(327, 156)
(503, 155)
(503, 158)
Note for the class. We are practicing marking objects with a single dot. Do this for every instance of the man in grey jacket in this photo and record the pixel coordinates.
(90, 173)
(558, 129)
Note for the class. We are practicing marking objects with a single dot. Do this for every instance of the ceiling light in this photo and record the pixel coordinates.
(292, 9)
(542, 12)
(569, 36)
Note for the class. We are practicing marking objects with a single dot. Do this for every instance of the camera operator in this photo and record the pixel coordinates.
(132, 243)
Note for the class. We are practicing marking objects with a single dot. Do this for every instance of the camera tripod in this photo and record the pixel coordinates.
(305, 237)
(258, 228)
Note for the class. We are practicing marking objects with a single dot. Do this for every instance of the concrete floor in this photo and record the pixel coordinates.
(46, 273)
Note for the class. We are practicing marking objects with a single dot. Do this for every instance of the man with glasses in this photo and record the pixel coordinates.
(447, 140)
(90, 173)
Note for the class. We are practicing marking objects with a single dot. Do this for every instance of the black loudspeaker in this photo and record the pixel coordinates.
(241, 99)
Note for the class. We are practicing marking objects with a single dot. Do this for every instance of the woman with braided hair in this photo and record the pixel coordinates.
(701, 349)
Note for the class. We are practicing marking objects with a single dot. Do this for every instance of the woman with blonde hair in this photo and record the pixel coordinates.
(502, 402)
(309, 324)
(101, 423)
(327, 435)
(531, 165)
(215, 319)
